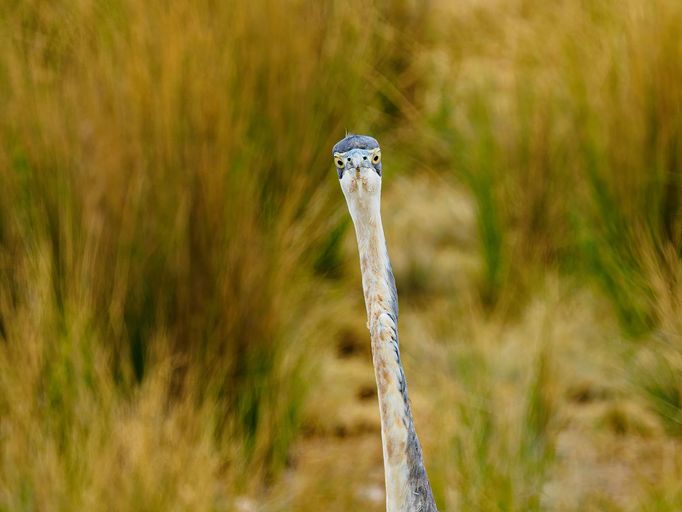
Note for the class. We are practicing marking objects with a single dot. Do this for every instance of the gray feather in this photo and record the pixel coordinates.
(420, 488)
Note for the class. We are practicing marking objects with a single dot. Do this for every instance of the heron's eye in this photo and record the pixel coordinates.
(376, 158)
(338, 162)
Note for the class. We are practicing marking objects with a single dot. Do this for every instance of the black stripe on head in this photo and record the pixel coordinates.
(355, 142)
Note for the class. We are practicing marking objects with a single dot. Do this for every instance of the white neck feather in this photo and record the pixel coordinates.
(381, 303)
(407, 485)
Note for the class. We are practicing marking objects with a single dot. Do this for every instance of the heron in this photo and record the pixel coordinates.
(357, 159)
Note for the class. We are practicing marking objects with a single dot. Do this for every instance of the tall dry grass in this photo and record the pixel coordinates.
(170, 227)
(165, 197)
(566, 126)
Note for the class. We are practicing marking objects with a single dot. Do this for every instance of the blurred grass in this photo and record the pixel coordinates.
(157, 168)
(572, 129)
(503, 462)
(171, 233)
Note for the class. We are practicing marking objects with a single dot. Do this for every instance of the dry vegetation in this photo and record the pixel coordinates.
(181, 325)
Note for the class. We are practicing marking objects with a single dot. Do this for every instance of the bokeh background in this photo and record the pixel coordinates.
(181, 317)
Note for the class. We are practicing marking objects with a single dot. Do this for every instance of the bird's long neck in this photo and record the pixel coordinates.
(407, 485)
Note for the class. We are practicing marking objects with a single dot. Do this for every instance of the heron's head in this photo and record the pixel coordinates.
(358, 163)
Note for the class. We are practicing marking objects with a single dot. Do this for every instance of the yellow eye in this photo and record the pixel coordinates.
(376, 158)
(338, 161)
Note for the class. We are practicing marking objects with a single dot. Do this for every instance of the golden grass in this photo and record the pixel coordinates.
(176, 268)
